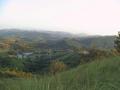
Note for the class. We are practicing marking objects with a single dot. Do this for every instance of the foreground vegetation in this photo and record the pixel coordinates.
(101, 74)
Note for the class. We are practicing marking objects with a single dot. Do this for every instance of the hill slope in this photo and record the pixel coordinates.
(98, 75)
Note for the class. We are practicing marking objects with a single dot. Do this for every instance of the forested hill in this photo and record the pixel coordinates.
(106, 42)
(31, 35)
(51, 39)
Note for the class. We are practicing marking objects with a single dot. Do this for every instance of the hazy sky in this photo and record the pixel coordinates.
(77, 16)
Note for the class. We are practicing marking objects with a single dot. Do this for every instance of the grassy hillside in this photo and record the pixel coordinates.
(99, 75)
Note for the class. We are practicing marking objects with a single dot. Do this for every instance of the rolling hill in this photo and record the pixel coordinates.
(59, 40)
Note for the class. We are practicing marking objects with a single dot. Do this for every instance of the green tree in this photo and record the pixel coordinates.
(117, 42)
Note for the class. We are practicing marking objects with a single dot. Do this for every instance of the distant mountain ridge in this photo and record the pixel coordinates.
(56, 39)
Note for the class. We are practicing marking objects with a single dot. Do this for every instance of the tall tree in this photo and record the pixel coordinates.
(117, 42)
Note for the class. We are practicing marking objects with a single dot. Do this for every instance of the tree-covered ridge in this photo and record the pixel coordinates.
(59, 40)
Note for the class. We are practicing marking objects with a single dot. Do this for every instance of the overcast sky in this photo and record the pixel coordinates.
(77, 16)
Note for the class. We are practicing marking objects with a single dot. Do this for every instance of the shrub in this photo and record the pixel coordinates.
(15, 73)
(57, 66)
